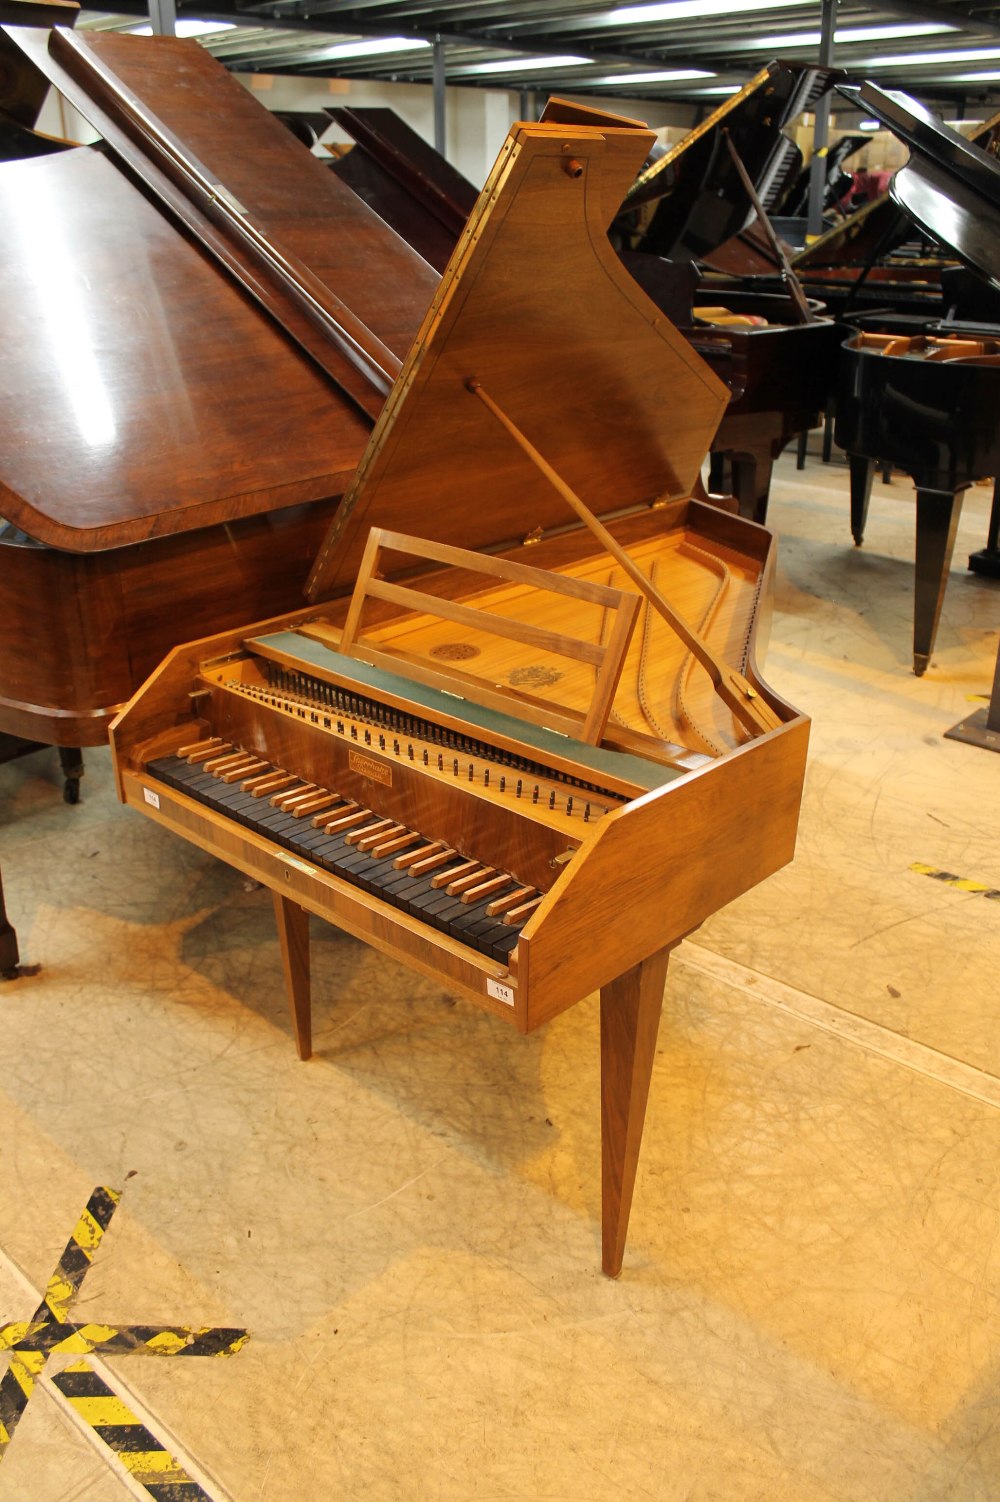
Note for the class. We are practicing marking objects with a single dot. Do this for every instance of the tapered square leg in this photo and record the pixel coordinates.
(938, 512)
(862, 470)
(293, 935)
(630, 1016)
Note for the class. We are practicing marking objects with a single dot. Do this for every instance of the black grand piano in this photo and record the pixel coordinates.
(776, 353)
(927, 399)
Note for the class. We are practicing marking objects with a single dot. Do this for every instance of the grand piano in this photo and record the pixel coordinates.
(521, 740)
(927, 400)
(413, 187)
(164, 334)
(691, 206)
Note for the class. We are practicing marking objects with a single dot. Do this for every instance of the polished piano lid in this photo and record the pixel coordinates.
(538, 309)
(950, 186)
(162, 376)
(700, 201)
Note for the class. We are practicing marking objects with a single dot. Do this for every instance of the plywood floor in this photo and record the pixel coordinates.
(408, 1225)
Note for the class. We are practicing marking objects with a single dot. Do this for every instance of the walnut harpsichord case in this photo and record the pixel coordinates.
(520, 741)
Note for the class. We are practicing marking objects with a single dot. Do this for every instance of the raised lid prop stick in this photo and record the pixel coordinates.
(732, 688)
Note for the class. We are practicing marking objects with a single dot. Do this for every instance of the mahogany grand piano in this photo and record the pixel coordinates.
(521, 741)
(163, 336)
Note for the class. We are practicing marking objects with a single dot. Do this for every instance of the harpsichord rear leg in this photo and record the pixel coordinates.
(293, 934)
(630, 1016)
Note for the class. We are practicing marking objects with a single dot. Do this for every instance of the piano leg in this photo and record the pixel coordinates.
(987, 560)
(630, 1016)
(71, 762)
(862, 473)
(293, 935)
(9, 957)
(938, 512)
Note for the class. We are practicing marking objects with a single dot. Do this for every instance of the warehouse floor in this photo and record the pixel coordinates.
(408, 1225)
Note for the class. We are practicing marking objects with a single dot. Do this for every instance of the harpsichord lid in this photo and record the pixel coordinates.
(537, 309)
(950, 186)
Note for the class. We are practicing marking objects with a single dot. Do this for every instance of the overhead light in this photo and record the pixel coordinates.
(523, 64)
(717, 89)
(373, 48)
(882, 33)
(919, 59)
(956, 124)
(684, 10)
(186, 27)
(869, 125)
(675, 75)
(974, 77)
(842, 37)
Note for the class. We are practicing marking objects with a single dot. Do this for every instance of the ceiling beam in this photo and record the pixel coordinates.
(960, 16)
(301, 15)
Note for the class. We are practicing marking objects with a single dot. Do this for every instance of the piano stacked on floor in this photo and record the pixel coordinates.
(521, 741)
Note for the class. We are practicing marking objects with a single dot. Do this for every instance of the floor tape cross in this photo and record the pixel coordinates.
(50, 1331)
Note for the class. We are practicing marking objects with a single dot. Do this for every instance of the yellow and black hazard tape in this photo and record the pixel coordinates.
(960, 883)
(50, 1331)
(140, 1452)
(65, 1282)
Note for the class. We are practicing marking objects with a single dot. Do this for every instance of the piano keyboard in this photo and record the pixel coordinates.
(474, 903)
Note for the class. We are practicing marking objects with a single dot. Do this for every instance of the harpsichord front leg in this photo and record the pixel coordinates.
(293, 935)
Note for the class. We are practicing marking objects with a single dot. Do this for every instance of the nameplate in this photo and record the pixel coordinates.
(151, 798)
(499, 991)
(367, 766)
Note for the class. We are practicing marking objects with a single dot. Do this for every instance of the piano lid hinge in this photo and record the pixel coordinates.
(560, 860)
(199, 693)
(535, 535)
